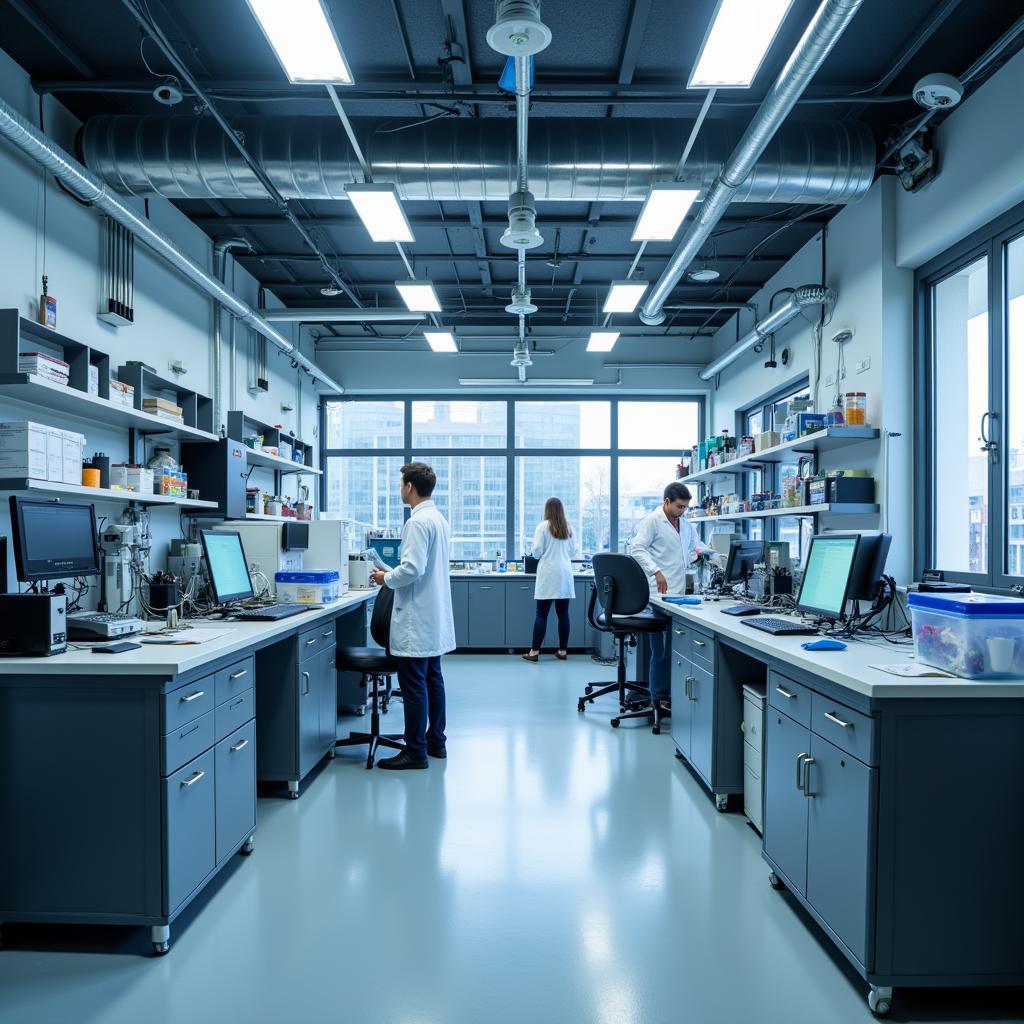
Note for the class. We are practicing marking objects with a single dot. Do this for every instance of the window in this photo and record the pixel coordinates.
(970, 337)
(498, 461)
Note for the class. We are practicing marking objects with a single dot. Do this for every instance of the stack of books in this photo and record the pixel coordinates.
(164, 409)
(44, 365)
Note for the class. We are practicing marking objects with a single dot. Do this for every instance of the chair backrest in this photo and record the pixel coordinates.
(380, 621)
(621, 582)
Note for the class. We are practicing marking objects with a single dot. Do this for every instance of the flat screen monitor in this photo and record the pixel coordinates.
(225, 560)
(54, 539)
(826, 582)
(869, 565)
(743, 556)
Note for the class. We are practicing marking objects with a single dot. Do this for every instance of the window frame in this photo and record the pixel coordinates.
(510, 451)
(991, 241)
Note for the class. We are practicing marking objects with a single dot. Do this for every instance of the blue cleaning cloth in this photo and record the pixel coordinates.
(682, 600)
(824, 645)
(507, 82)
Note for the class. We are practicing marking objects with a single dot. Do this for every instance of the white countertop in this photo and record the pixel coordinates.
(176, 659)
(470, 574)
(850, 668)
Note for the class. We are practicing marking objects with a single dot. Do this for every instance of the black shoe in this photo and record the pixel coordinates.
(438, 752)
(402, 761)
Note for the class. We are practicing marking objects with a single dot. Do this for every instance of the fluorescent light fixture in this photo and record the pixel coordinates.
(441, 341)
(381, 212)
(504, 382)
(602, 341)
(666, 205)
(302, 37)
(741, 33)
(624, 296)
(419, 295)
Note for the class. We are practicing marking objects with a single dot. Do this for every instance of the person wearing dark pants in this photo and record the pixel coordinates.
(422, 625)
(540, 623)
(553, 547)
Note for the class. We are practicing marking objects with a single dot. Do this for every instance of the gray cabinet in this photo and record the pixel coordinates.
(787, 743)
(311, 747)
(189, 820)
(682, 714)
(460, 611)
(520, 610)
(235, 789)
(327, 690)
(702, 721)
(487, 613)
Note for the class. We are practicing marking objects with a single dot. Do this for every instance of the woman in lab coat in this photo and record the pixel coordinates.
(553, 547)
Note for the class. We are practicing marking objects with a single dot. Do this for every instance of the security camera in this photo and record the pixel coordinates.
(168, 93)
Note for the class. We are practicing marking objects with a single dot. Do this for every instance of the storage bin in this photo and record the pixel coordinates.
(313, 587)
(977, 636)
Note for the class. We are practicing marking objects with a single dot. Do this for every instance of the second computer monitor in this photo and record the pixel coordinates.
(225, 561)
(53, 539)
(743, 556)
(826, 583)
(869, 565)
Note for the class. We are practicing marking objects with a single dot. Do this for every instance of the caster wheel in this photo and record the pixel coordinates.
(615, 723)
(879, 1004)
(247, 848)
(361, 710)
(369, 766)
(293, 794)
(581, 707)
(161, 948)
(330, 754)
(775, 882)
(588, 689)
(722, 801)
(679, 756)
(656, 730)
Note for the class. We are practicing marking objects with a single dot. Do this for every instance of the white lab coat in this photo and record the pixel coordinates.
(554, 569)
(657, 546)
(422, 625)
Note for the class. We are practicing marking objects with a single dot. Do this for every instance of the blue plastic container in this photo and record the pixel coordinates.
(318, 586)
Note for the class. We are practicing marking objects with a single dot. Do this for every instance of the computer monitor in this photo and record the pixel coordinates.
(826, 582)
(225, 560)
(743, 556)
(54, 539)
(869, 565)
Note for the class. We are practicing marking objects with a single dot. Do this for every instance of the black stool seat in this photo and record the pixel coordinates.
(365, 659)
(648, 623)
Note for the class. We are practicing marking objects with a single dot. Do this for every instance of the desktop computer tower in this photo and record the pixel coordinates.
(219, 472)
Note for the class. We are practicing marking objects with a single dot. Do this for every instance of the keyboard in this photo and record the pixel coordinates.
(742, 609)
(102, 625)
(781, 627)
(272, 612)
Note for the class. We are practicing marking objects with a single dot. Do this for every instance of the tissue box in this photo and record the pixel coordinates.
(71, 461)
(122, 394)
(55, 455)
(23, 448)
(134, 478)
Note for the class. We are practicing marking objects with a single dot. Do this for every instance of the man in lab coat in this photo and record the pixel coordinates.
(422, 626)
(665, 545)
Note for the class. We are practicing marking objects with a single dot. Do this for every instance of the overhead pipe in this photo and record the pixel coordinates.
(824, 30)
(803, 297)
(221, 248)
(318, 315)
(39, 148)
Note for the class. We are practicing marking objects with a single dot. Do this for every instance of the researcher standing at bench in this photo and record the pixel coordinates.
(422, 626)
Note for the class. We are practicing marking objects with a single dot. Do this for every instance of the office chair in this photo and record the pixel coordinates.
(377, 667)
(622, 588)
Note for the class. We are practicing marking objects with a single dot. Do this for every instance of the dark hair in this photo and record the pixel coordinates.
(554, 513)
(422, 478)
(677, 492)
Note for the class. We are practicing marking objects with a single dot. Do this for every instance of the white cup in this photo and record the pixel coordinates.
(1000, 652)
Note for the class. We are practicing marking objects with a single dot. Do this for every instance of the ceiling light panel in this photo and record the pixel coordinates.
(419, 296)
(381, 212)
(624, 296)
(602, 341)
(663, 211)
(303, 39)
(741, 34)
(441, 341)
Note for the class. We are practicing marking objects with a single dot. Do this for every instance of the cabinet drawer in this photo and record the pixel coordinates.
(312, 641)
(187, 742)
(189, 829)
(234, 712)
(682, 640)
(790, 698)
(702, 649)
(753, 725)
(847, 729)
(234, 679)
(752, 759)
(187, 703)
(236, 789)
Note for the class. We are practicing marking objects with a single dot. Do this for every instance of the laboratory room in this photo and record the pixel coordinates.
(512, 510)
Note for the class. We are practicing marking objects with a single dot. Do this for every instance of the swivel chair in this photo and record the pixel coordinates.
(621, 586)
(377, 666)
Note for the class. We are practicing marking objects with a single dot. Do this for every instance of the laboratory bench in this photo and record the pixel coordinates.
(132, 777)
(889, 804)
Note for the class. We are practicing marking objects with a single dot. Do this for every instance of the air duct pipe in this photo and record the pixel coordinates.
(220, 250)
(827, 25)
(570, 159)
(803, 297)
(39, 148)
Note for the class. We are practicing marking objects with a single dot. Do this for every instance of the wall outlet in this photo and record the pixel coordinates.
(864, 364)
(177, 366)
(830, 380)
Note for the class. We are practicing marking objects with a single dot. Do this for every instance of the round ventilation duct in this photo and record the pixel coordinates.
(517, 30)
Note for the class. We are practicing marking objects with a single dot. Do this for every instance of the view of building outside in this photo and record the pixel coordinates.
(1014, 461)
(642, 481)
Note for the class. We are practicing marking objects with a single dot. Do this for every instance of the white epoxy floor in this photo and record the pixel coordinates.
(553, 869)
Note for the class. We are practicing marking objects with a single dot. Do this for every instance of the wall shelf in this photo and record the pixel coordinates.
(241, 425)
(796, 510)
(263, 517)
(196, 409)
(276, 462)
(53, 488)
(825, 440)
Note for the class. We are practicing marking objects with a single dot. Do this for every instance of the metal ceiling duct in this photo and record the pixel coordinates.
(48, 155)
(805, 296)
(591, 160)
(827, 25)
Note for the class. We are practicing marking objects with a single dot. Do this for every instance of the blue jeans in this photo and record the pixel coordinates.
(659, 679)
(422, 688)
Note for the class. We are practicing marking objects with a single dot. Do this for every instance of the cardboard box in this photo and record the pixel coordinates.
(158, 405)
(74, 445)
(767, 439)
(55, 454)
(23, 450)
(131, 478)
(122, 394)
(94, 379)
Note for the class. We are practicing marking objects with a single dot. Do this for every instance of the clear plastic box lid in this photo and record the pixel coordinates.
(974, 605)
(313, 576)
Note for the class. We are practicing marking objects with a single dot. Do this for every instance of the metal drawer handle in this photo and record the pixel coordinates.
(799, 765)
(311, 641)
(188, 732)
(699, 643)
(238, 675)
(193, 696)
(241, 700)
(485, 588)
(306, 690)
(808, 761)
(690, 691)
(785, 693)
(327, 632)
(680, 632)
(835, 718)
(196, 776)
(238, 746)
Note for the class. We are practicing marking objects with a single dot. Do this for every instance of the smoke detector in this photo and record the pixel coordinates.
(517, 30)
(168, 92)
(522, 232)
(705, 275)
(938, 92)
(520, 304)
(329, 291)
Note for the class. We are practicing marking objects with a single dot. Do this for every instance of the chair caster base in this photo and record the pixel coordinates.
(880, 1000)
(615, 723)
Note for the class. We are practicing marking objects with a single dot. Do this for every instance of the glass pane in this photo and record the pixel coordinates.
(755, 422)
(366, 489)
(459, 424)
(796, 531)
(471, 493)
(673, 426)
(583, 484)
(641, 488)
(563, 425)
(781, 407)
(960, 348)
(1014, 412)
(365, 425)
